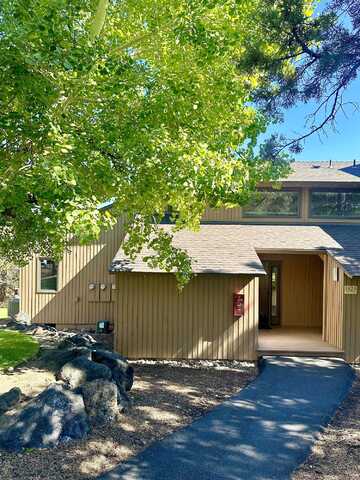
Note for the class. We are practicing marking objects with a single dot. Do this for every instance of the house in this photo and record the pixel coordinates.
(281, 275)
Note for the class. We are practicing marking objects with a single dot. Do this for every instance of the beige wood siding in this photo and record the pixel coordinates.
(352, 322)
(222, 214)
(301, 293)
(155, 320)
(333, 303)
(70, 306)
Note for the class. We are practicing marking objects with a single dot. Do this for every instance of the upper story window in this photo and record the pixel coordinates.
(335, 203)
(48, 275)
(274, 203)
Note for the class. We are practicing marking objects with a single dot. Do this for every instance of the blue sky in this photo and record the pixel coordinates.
(342, 144)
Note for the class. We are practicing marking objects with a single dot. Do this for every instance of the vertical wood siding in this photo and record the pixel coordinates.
(352, 322)
(333, 304)
(222, 214)
(69, 307)
(155, 320)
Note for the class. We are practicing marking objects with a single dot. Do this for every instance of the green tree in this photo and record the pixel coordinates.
(142, 102)
(324, 54)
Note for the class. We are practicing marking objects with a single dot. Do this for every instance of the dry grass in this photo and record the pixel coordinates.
(336, 455)
(165, 398)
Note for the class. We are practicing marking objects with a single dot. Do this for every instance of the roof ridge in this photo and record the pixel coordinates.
(326, 161)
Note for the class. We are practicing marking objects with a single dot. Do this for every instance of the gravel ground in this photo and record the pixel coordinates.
(31, 381)
(336, 455)
(166, 396)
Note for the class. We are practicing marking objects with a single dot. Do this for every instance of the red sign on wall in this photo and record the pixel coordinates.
(238, 304)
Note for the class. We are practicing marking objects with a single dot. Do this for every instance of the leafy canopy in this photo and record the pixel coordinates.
(142, 102)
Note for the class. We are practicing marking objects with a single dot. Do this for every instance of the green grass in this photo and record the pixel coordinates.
(15, 348)
(3, 312)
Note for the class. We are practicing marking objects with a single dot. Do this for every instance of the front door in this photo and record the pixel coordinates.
(269, 289)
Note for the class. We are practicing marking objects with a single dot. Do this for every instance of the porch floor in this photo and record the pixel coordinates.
(295, 340)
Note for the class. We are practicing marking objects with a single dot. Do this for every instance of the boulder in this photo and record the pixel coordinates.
(110, 359)
(123, 401)
(9, 399)
(23, 317)
(81, 370)
(43, 330)
(17, 325)
(124, 379)
(55, 416)
(101, 401)
(54, 359)
(122, 372)
(78, 340)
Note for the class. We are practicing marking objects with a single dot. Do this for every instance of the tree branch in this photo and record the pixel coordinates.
(99, 19)
(306, 49)
(328, 117)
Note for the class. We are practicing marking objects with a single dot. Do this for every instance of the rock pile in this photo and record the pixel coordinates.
(55, 416)
(92, 388)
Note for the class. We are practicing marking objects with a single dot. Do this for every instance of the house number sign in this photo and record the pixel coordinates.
(350, 289)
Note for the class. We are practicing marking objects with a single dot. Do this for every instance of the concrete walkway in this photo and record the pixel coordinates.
(262, 433)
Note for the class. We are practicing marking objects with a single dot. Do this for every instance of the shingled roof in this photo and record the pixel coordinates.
(214, 249)
(324, 172)
(233, 249)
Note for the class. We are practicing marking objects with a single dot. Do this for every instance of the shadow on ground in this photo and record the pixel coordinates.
(165, 398)
(263, 433)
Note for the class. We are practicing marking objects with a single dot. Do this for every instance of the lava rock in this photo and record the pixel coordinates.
(101, 401)
(78, 340)
(110, 359)
(42, 330)
(24, 318)
(124, 379)
(81, 370)
(17, 325)
(122, 372)
(54, 359)
(9, 399)
(123, 401)
(55, 416)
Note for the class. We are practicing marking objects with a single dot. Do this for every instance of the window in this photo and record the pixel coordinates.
(274, 203)
(48, 275)
(335, 203)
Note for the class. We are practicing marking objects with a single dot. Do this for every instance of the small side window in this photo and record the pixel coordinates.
(48, 275)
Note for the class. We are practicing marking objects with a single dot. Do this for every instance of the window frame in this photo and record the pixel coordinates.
(331, 190)
(284, 190)
(38, 275)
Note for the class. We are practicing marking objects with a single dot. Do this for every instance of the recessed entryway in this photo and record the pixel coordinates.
(291, 294)
(291, 300)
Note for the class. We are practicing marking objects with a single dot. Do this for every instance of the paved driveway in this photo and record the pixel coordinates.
(262, 433)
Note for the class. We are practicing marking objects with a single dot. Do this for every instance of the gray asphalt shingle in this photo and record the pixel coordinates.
(322, 172)
(233, 249)
(214, 249)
